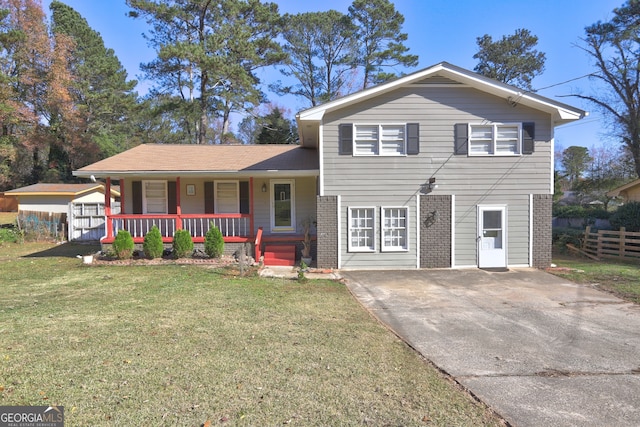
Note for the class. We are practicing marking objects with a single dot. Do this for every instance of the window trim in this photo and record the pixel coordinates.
(378, 152)
(385, 248)
(272, 212)
(144, 197)
(374, 228)
(494, 139)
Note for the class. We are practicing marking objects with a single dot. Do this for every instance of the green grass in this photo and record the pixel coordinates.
(180, 345)
(619, 278)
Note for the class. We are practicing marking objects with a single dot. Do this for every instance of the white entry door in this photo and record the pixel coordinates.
(492, 250)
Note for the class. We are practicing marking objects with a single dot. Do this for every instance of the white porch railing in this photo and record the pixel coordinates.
(231, 225)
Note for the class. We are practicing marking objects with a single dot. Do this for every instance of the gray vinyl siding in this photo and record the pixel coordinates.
(466, 226)
(388, 260)
(379, 181)
(305, 199)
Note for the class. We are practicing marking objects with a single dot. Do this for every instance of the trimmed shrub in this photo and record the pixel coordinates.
(627, 216)
(152, 245)
(214, 242)
(182, 244)
(123, 245)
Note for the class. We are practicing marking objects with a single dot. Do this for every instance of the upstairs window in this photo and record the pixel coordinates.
(495, 139)
(379, 140)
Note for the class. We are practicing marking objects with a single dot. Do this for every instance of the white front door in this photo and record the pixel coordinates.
(492, 250)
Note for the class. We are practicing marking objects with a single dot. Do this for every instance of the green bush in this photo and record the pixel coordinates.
(123, 245)
(577, 211)
(10, 234)
(152, 245)
(214, 242)
(562, 235)
(627, 216)
(182, 244)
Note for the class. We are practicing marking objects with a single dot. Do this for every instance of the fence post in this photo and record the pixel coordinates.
(600, 239)
(622, 242)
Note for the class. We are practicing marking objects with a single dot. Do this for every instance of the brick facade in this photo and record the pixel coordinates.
(435, 231)
(327, 231)
(542, 204)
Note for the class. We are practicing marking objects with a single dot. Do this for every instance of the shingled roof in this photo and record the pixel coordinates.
(192, 159)
(59, 189)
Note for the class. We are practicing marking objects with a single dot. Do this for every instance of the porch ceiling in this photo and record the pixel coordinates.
(207, 160)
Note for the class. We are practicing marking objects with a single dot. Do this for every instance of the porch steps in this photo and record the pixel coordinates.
(280, 255)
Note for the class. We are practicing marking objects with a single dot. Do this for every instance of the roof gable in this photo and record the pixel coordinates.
(54, 189)
(451, 75)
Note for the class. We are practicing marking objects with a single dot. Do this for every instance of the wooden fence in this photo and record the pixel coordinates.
(8, 203)
(612, 244)
(43, 225)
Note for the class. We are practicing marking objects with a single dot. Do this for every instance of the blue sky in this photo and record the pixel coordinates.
(438, 30)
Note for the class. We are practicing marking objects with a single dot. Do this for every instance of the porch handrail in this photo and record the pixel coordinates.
(258, 244)
(231, 225)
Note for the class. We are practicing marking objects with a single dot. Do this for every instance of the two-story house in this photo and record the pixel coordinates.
(442, 168)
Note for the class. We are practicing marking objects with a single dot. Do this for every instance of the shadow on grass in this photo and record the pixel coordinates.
(67, 250)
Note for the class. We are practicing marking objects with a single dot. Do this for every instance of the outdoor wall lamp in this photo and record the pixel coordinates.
(432, 183)
(264, 187)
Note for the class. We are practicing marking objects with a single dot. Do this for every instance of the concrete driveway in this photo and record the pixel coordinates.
(539, 350)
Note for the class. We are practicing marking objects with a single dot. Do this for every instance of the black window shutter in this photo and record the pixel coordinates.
(244, 197)
(461, 138)
(528, 136)
(413, 138)
(172, 198)
(345, 138)
(208, 197)
(136, 195)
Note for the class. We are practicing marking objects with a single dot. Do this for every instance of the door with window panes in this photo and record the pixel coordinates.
(492, 251)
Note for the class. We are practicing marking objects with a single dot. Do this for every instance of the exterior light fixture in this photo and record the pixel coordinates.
(264, 187)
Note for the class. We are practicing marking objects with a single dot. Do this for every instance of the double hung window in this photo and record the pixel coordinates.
(363, 229)
(154, 197)
(379, 140)
(394, 229)
(495, 139)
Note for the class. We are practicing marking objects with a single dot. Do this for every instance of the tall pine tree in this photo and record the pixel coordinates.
(208, 51)
(104, 98)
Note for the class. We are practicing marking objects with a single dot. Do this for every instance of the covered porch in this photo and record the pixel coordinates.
(253, 194)
(235, 227)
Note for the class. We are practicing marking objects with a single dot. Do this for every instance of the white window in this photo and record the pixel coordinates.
(495, 139)
(227, 197)
(154, 197)
(394, 229)
(362, 229)
(379, 140)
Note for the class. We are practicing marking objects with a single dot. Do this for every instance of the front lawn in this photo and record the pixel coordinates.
(617, 277)
(183, 345)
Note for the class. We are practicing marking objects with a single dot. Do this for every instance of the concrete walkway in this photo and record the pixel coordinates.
(539, 350)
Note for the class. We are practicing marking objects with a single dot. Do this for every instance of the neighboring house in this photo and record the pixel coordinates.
(47, 207)
(629, 192)
(55, 198)
(440, 168)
